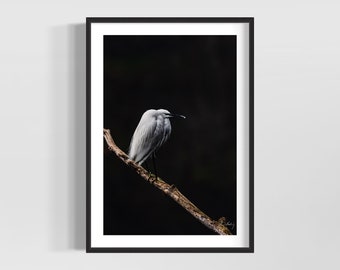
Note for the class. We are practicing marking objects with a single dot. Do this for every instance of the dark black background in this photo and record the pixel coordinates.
(190, 75)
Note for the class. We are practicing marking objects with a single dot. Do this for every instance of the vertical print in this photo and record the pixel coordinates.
(190, 75)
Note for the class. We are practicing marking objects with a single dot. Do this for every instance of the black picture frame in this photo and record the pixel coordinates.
(244, 20)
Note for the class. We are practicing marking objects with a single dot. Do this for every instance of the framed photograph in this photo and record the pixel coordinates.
(170, 130)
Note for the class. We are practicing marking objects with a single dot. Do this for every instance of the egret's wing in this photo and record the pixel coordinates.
(145, 140)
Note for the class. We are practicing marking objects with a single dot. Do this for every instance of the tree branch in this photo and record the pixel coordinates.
(170, 190)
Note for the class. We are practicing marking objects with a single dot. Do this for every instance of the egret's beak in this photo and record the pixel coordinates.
(177, 115)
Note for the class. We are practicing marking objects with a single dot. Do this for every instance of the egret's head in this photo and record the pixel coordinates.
(167, 114)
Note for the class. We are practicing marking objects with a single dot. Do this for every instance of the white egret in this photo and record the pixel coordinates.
(152, 132)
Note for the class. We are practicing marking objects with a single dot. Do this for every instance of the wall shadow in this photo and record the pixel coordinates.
(68, 135)
(77, 218)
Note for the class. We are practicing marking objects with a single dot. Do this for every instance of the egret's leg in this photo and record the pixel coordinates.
(154, 166)
(147, 168)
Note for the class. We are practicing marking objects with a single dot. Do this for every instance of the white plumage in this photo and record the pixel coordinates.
(152, 132)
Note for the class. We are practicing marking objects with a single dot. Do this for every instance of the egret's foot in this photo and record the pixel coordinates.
(172, 188)
(153, 180)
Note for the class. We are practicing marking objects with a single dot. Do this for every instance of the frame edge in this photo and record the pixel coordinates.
(250, 21)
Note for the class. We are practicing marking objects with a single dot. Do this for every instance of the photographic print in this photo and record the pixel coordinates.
(169, 135)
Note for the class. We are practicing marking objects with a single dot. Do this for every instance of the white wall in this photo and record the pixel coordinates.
(42, 116)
